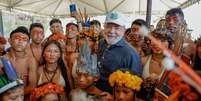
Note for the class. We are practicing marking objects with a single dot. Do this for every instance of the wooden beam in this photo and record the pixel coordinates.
(90, 5)
(59, 3)
(17, 2)
(121, 2)
(105, 5)
(30, 3)
(41, 9)
(165, 4)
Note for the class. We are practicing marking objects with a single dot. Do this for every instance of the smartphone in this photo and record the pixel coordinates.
(72, 9)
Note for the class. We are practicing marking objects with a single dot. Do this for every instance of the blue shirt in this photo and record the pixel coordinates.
(119, 55)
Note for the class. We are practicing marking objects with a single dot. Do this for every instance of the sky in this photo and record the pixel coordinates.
(193, 19)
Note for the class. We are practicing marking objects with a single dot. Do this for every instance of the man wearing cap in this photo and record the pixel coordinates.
(114, 53)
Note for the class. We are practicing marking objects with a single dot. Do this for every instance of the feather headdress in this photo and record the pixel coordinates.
(87, 62)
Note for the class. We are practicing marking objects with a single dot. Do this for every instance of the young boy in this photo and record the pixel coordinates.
(125, 85)
(11, 87)
(86, 74)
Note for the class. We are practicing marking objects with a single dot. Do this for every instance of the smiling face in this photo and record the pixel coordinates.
(52, 53)
(71, 31)
(113, 33)
(164, 41)
(19, 41)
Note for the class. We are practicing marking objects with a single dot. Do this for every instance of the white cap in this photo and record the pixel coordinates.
(117, 18)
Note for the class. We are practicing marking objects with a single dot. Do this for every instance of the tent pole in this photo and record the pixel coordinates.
(148, 15)
(1, 24)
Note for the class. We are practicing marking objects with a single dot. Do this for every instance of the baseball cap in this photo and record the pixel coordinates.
(117, 18)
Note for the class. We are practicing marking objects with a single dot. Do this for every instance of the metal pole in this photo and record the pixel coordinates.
(148, 15)
(1, 23)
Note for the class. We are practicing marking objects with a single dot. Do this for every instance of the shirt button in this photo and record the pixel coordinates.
(103, 57)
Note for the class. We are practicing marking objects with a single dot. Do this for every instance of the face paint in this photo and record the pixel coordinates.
(173, 22)
(20, 38)
(37, 35)
(52, 53)
(19, 41)
(135, 29)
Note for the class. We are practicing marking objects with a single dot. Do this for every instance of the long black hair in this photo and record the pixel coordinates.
(62, 66)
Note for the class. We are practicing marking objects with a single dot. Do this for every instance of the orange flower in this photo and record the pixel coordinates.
(57, 37)
(45, 89)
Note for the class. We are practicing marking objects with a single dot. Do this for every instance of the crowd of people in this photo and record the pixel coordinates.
(87, 63)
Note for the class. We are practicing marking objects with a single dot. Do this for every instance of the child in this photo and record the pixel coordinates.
(86, 74)
(125, 85)
(47, 92)
(11, 87)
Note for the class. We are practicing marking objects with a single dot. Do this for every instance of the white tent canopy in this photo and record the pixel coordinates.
(93, 7)
(60, 8)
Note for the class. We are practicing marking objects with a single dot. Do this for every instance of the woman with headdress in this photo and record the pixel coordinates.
(54, 70)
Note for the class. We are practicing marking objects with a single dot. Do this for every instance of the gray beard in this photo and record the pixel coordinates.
(112, 41)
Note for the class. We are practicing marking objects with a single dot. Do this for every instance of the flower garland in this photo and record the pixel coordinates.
(125, 79)
(45, 89)
(57, 37)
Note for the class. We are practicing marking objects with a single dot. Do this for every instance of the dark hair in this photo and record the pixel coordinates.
(20, 29)
(69, 24)
(61, 63)
(139, 22)
(197, 59)
(33, 25)
(163, 36)
(174, 11)
(124, 70)
(95, 22)
(128, 31)
(11, 89)
(54, 20)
